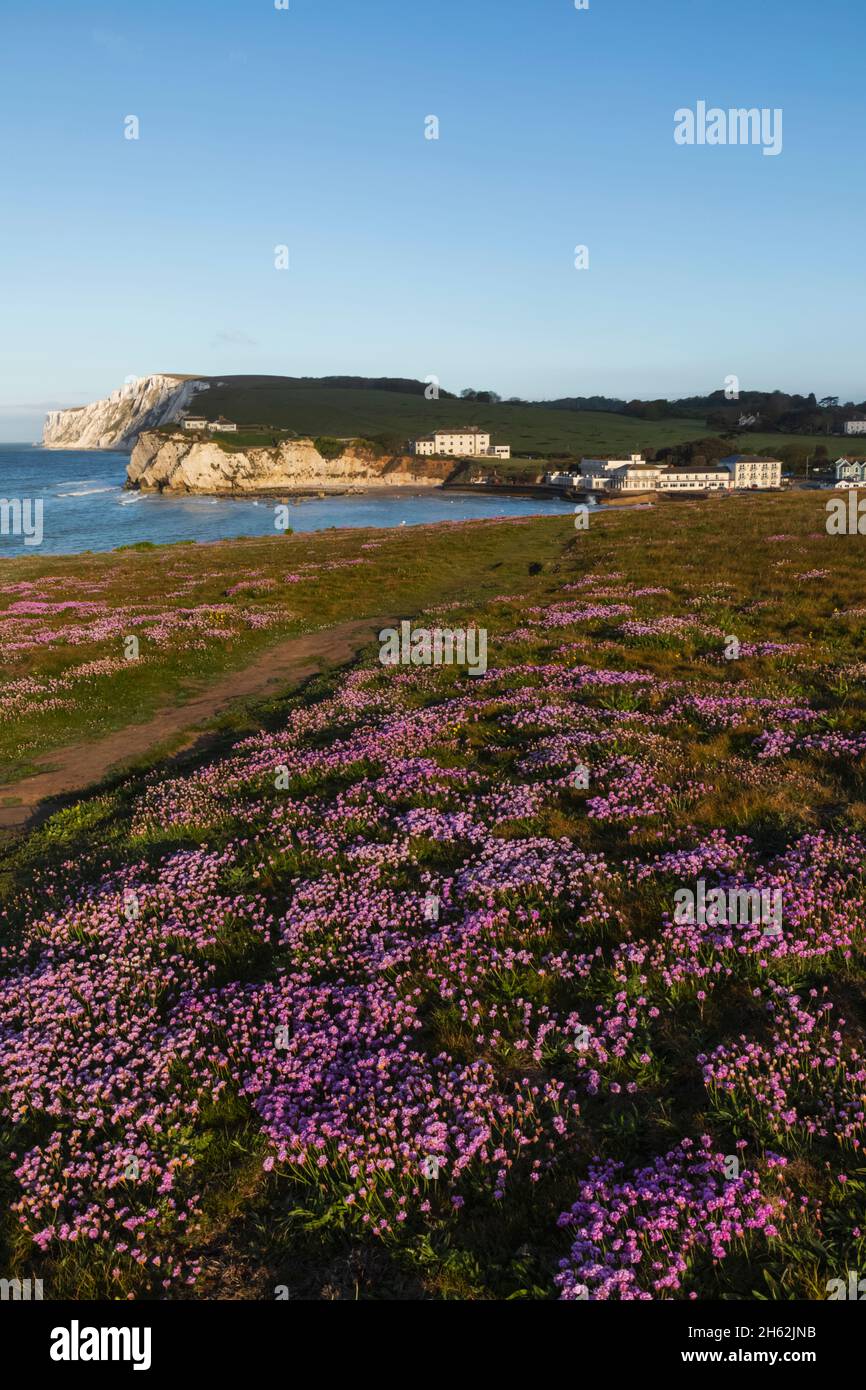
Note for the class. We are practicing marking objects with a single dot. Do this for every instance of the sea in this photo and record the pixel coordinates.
(85, 507)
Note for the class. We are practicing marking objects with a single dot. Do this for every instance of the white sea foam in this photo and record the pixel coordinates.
(87, 492)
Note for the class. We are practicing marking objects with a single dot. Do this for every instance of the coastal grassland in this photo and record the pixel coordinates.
(235, 1039)
(200, 611)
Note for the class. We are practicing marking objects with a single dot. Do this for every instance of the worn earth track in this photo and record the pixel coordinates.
(84, 765)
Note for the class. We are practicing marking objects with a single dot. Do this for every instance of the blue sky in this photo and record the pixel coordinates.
(408, 256)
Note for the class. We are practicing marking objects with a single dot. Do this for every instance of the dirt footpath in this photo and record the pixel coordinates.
(84, 765)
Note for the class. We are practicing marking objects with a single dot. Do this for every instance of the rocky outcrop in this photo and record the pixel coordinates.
(117, 421)
(178, 463)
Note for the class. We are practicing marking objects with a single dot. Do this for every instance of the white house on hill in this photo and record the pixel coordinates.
(469, 442)
(219, 426)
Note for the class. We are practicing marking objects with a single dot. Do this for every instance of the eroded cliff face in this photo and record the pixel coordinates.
(177, 464)
(117, 421)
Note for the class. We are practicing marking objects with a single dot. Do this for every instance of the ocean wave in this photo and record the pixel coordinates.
(88, 492)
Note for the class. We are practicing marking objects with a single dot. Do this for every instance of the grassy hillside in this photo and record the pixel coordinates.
(270, 405)
(343, 412)
(769, 444)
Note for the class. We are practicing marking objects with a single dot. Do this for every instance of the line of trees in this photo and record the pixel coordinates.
(774, 411)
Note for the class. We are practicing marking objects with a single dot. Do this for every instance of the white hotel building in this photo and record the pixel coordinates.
(636, 475)
(750, 472)
(692, 477)
(598, 473)
(469, 442)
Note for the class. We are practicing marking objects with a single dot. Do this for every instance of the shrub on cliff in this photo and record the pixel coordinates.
(329, 448)
(387, 442)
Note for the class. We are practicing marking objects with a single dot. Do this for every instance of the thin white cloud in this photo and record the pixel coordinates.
(31, 407)
(232, 337)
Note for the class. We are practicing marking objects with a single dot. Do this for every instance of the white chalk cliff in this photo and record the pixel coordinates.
(172, 463)
(117, 421)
